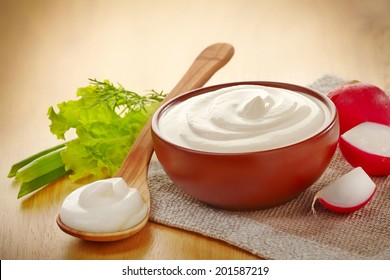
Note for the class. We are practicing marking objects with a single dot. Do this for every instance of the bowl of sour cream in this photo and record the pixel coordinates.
(246, 145)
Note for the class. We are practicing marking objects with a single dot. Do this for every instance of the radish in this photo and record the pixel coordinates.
(367, 145)
(358, 102)
(348, 193)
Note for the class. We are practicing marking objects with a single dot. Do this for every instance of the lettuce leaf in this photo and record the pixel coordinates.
(106, 119)
(106, 124)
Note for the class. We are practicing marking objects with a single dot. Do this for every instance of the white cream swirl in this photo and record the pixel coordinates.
(243, 118)
(103, 206)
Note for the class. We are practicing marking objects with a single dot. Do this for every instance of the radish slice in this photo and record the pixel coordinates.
(367, 145)
(348, 193)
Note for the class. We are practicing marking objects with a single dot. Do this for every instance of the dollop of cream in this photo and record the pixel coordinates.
(243, 118)
(103, 206)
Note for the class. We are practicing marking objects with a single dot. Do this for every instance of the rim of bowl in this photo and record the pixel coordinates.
(293, 87)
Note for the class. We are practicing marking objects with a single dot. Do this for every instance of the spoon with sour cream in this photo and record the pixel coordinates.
(117, 208)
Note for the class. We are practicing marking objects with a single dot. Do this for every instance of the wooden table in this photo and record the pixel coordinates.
(50, 48)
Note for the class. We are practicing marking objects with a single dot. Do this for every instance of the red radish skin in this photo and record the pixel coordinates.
(377, 139)
(348, 193)
(373, 164)
(358, 102)
(345, 210)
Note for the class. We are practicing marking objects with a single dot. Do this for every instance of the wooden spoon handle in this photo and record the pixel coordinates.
(210, 60)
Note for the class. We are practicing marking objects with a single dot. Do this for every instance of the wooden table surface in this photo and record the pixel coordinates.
(50, 48)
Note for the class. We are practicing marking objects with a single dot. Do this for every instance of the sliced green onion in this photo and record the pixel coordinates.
(40, 166)
(37, 183)
(15, 168)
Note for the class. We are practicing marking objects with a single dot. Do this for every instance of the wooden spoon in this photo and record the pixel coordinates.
(134, 169)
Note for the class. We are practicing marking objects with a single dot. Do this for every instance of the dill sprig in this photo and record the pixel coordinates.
(121, 100)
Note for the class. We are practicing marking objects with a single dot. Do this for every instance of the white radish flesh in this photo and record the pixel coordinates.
(367, 145)
(348, 193)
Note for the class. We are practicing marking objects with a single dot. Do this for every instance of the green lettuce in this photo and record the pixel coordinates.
(106, 120)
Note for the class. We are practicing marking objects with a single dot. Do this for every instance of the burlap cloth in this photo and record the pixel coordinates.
(290, 231)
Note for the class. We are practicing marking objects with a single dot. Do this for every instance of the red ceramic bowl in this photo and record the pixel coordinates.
(252, 180)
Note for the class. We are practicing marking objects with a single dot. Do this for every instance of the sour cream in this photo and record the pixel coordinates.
(243, 118)
(103, 206)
